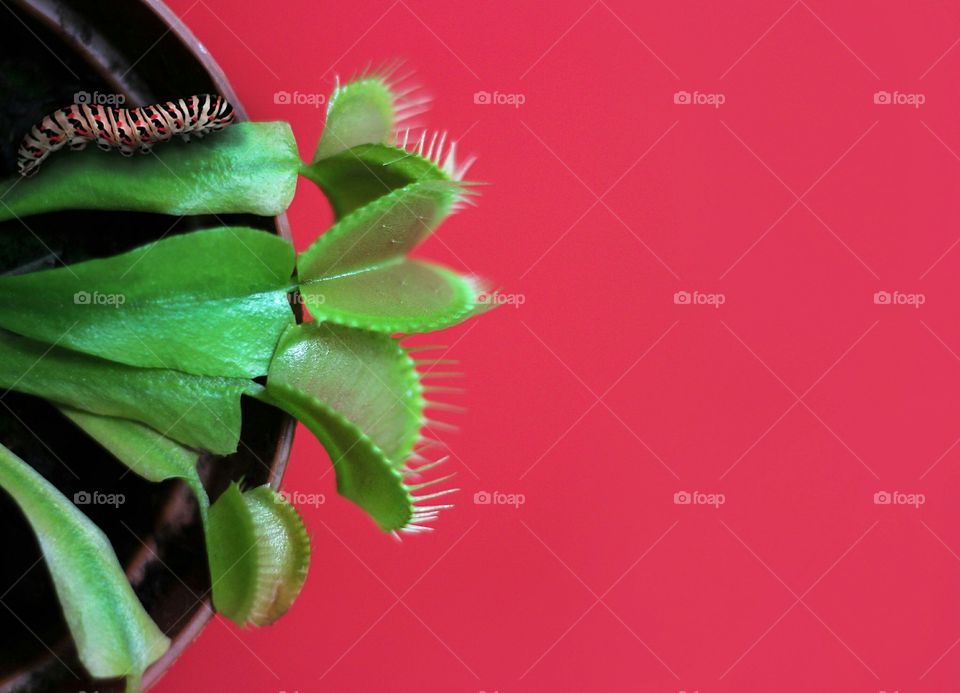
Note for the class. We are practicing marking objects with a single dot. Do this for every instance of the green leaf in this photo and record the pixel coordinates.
(256, 543)
(147, 453)
(357, 274)
(113, 633)
(358, 112)
(199, 411)
(368, 378)
(259, 555)
(357, 176)
(365, 475)
(210, 302)
(247, 168)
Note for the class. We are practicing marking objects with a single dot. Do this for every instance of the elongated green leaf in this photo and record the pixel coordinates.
(357, 274)
(259, 555)
(366, 377)
(365, 475)
(357, 176)
(146, 452)
(199, 411)
(249, 167)
(210, 302)
(113, 633)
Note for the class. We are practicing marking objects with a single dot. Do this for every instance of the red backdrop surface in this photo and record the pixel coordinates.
(733, 230)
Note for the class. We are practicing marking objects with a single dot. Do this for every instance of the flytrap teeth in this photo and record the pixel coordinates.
(441, 374)
(423, 513)
(439, 150)
(437, 362)
(441, 425)
(444, 406)
(425, 484)
(428, 466)
(437, 494)
(416, 529)
(424, 347)
(444, 390)
(409, 99)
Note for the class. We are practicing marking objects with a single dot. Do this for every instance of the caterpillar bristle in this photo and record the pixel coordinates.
(128, 130)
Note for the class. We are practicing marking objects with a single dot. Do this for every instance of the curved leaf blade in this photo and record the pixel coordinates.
(356, 273)
(383, 230)
(358, 112)
(353, 178)
(259, 555)
(248, 168)
(113, 633)
(144, 451)
(408, 296)
(199, 411)
(364, 473)
(368, 378)
(210, 302)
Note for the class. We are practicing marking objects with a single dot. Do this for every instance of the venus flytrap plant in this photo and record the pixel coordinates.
(205, 319)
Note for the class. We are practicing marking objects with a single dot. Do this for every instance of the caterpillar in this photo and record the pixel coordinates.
(129, 130)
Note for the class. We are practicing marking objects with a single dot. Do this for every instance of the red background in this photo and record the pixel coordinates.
(599, 398)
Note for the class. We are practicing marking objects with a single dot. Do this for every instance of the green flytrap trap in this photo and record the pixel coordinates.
(150, 351)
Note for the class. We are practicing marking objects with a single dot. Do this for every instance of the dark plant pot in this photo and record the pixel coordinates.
(49, 51)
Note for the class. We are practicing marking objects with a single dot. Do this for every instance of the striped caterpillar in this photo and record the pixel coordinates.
(129, 130)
